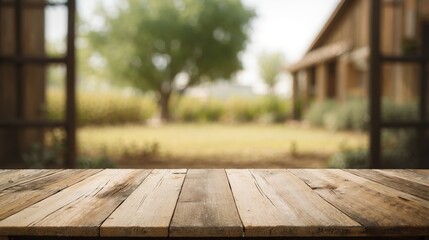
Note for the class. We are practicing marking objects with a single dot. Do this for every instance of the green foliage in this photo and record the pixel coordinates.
(270, 65)
(293, 148)
(51, 155)
(147, 43)
(399, 112)
(399, 147)
(353, 114)
(103, 108)
(350, 158)
(269, 109)
(193, 110)
(243, 110)
(99, 161)
(318, 111)
(113, 108)
(278, 109)
(40, 156)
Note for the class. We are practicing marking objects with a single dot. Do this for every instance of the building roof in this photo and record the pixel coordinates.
(314, 53)
(338, 12)
(320, 54)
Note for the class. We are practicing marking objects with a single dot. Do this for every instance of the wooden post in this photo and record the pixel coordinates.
(321, 82)
(70, 157)
(343, 77)
(295, 97)
(423, 133)
(375, 86)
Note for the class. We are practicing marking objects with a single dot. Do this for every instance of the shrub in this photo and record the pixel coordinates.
(195, 110)
(51, 155)
(317, 112)
(399, 147)
(102, 161)
(270, 109)
(398, 151)
(243, 110)
(350, 158)
(351, 115)
(399, 112)
(278, 110)
(102, 108)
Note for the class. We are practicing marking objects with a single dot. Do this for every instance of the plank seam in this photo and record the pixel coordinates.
(235, 203)
(391, 187)
(326, 200)
(414, 172)
(138, 185)
(177, 201)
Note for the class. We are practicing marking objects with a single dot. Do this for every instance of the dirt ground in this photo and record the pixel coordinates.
(226, 161)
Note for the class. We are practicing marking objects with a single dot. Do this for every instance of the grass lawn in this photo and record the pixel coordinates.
(216, 145)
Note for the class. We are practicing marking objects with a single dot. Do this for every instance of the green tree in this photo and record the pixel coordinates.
(270, 65)
(150, 43)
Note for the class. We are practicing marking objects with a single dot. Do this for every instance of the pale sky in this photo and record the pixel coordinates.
(286, 26)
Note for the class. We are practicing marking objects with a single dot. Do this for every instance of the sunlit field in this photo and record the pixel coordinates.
(216, 145)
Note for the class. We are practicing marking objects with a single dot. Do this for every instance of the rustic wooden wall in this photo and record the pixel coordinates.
(351, 26)
(13, 142)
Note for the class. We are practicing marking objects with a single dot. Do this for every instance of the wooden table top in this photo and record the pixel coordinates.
(214, 202)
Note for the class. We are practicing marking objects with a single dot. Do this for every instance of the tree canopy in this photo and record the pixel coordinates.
(270, 65)
(150, 43)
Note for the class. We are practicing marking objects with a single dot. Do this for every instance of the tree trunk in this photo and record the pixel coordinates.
(163, 105)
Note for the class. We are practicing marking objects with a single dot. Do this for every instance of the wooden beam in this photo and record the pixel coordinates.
(375, 86)
(32, 60)
(70, 153)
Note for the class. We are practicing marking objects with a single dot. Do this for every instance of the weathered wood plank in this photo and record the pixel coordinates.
(206, 207)
(424, 171)
(276, 203)
(393, 181)
(152, 205)
(20, 196)
(78, 210)
(382, 210)
(11, 178)
(418, 176)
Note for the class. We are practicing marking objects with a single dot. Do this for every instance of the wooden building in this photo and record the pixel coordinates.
(21, 99)
(336, 63)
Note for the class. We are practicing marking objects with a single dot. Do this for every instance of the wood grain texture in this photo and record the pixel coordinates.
(22, 195)
(276, 203)
(423, 171)
(13, 177)
(78, 210)
(206, 207)
(418, 176)
(214, 203)
(391, 180)
(382, 210)
(152, 206)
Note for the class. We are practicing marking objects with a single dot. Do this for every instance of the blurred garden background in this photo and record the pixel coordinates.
(212, 119)
(208, 84)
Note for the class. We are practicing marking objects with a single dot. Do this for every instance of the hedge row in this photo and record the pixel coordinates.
(94, 108)
(102, 108)
(353, 114)
(261, 109)
(398, 146)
